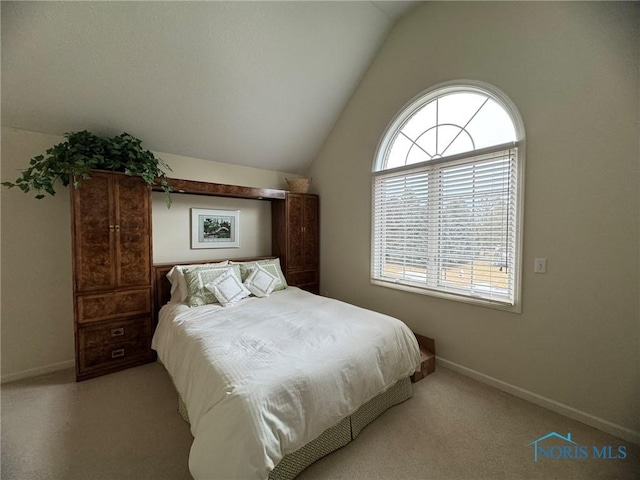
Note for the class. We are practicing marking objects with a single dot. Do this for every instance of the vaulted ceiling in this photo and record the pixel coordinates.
(259, 84)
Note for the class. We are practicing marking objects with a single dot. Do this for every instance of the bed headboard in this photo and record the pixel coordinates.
(162, 287)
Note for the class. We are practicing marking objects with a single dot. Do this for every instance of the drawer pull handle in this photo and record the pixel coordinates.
(117, 332)
(117, 353)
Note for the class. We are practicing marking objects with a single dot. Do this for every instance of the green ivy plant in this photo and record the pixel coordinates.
(72, 161)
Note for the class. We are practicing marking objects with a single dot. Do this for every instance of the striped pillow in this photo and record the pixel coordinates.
(197, 277)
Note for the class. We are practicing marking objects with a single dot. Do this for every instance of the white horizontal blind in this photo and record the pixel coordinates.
(449, 226)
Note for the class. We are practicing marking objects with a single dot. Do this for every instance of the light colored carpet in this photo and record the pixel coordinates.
(125, 426)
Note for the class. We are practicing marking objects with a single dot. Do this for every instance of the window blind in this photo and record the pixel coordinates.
(449, 226)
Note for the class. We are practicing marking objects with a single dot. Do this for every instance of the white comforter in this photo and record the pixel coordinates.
(268, 375)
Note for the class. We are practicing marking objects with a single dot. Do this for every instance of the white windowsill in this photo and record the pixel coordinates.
(449, 296)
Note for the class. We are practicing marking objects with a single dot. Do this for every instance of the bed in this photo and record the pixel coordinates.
(270, 385)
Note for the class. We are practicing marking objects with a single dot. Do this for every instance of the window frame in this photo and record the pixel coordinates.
(384, 144)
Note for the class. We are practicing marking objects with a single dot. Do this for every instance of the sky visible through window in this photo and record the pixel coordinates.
(448, 125)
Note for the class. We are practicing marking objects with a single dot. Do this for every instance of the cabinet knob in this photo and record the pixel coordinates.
(112, 228)
(117, 228)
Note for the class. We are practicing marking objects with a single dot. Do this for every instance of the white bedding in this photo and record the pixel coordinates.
(268, 375)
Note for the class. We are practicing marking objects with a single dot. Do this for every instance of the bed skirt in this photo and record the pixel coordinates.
(335, 437)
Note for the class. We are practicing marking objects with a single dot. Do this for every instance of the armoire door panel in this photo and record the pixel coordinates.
(311, 231)
(94, 234)
(295, 234)
(295, 239)
(132, 232)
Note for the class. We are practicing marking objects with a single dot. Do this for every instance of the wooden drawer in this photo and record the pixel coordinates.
(300, 278)
(114, 354)
(99, 334)
(313, 288)
(94, 308)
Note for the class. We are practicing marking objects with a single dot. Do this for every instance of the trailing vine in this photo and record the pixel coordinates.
(71, 162)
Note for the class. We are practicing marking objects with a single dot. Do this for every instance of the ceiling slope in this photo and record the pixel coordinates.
(252, 83)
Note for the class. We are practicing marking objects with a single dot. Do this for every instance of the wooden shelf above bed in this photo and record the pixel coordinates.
(222, 190)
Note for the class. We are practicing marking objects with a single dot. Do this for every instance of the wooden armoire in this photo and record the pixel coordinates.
(112, 257)
(296, 239)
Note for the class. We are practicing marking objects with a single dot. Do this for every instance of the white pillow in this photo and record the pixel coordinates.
(260, 282)
(228, 288)
(178, 282)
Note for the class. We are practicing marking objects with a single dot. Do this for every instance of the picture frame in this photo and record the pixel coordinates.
(215, 228)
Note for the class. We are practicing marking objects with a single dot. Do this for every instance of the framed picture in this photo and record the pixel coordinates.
(215, 228)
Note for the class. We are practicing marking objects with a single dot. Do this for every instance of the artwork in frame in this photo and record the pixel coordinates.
(215, 228)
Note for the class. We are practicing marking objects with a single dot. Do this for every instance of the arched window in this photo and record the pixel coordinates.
(447, 196)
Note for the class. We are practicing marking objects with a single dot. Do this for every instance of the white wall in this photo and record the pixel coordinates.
(573, 71)
(36, 278)
(172, 228)
(37, 307)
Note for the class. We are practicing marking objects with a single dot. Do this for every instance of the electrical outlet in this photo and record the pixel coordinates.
(540, 265)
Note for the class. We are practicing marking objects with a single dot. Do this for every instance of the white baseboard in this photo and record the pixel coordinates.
(34, 372)
(591, 420)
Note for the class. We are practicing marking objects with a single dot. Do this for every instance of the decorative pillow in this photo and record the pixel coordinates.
(272, 266)
(196, 279)
(227, 288)
(179, 284)
(260, 282)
